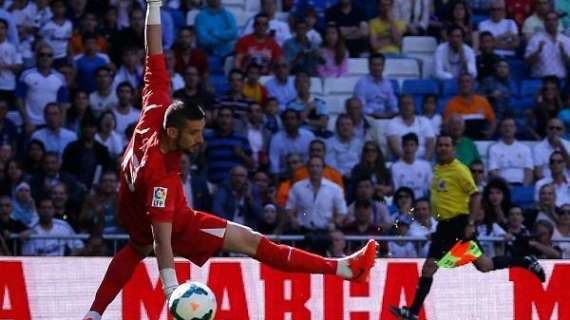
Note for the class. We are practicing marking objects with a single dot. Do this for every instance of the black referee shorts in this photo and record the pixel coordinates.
(446, 235)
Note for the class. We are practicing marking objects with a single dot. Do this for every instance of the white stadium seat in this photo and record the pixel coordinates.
(316, 86)
(402, 69)
(357, 66)
(252, 5)
(340, 86)
(419, 45)
(234, 4)
(242, 17)
(335, 104)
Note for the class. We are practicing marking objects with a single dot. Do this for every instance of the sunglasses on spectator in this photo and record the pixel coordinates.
(557, 128)
(477, 170)
(567, 211)
(556, 161)
(45, 54)
(369, 150)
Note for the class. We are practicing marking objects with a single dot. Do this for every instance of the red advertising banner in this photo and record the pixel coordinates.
(62, 288)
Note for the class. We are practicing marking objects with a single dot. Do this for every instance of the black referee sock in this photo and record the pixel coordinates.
(502, 262)
(422, 291)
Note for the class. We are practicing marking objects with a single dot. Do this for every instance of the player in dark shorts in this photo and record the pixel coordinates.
(455, 199)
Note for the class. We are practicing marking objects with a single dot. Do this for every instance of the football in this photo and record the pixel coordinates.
(192, 301)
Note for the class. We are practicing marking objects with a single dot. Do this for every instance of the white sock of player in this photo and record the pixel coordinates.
(153, 13)
(342, 268)
(92, 315)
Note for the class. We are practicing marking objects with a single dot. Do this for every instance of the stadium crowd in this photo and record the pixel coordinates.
(282, 152)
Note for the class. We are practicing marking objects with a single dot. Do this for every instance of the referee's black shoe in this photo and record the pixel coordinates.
(403, 313)
(534, 266)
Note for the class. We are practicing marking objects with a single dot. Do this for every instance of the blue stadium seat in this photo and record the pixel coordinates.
(396, 86)
(520, 105)
(523, 196)
(420, 87)
(442, 104)
(215, 66)
(220, 84)
(518, 70)
(515, 88)
(529, 88)
(449, 88)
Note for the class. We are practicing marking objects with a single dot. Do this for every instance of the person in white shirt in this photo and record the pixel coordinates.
(131, 70)
(505, 31)
(424, 224)
(408, 122)
(48, 226)
(10, 63)
(344, 149)
(54, 137)
(281, 86)
(558, 179)
(535, 23)
(552, 142)
(510, 159)
(548, 53)
(125, 113)
(278, 29)
(315, 203)
(256, 134)
(454, 58)
(58, 32)
(104, 97)
(107, 136)
(410, 172)
(402, 248)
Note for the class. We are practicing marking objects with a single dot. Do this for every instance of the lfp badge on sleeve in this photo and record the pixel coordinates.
(159, 197)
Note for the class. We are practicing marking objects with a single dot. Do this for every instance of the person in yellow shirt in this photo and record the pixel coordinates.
(386, 32)
(455, 200)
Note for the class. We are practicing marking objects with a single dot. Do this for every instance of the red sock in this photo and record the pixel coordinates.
(118, 273)
(289, 259)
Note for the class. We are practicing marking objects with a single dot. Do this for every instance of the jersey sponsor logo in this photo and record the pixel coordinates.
(159, 197)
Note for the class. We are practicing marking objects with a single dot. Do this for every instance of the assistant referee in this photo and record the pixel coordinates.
(455, 200)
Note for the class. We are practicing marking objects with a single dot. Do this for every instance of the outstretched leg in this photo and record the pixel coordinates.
(486, 264)
(242, 239)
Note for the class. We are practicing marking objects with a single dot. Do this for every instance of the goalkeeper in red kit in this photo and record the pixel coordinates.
(152, 204)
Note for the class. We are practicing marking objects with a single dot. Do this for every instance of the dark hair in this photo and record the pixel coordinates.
(178, 113)
(125, 84)
(454, 27)
(318, 141)
(485, 34)
(377, 55)
(466, 19)
(410, 137)
(88, 36)
(88, 121)
(52, 104)
(44, 199)
(478, 162)
(260, 15)
(235, 71)
(490, 214)
(290, 110)
(555, 152)
(423, 199)
(378, 171)
(103, 114)
(515, 206)
(400, 191)
(444, 135)
(362, 204)
(53, 2)
(187, 28)
(4, 22)
(102, 68)
(340, 47)
(430, 96)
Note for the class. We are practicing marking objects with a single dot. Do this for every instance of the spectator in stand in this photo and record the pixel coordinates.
(252, 88)
(258, 48)
(360, 122)
(49, 226)
(537, 22)
(24, 208)
(10, 64)
(39, 86)
(69, 74)
(334, 55)
(235, 99)
(379, 215)
(487, 225)
(225, 148)
(403, 201)
(558, 179)
(548, 105)
(561, 232)
(465, 149)
(195, 186)
(315, 203)
(317, 8)
(541, 245)
(337, 248)
(518, 10)
(63, 210)
(51, 175)
(416, 15)
(509, 158)
(12, 29)
(429, 110)
(477, 169)
(318, 148)
(236, 200)
(8, 130)
(497, 89)
(306, 103)
(108, 136)
(271, 119)
(481, 123)
(176, 80)
(496, 202)
(300, 52)
(292, 163)
(86, 158)
(363, 224)
(372, 166)
(131, 35)
(376, 92)
(281, 86)
(402, 248)
(409, 171)
(272, 222)
(505, 31)
(124, 112)
(487, 58)
(216, 29)
(344, 148)
(187, 55)
(257, 135)
(131, 69)
(88, 24)
(291, 139)
(424, 224)
(552, 142)
(544, 209)
(14, 175)
(54, 137)
(386, 31)
(278, 29)
(408, 122)
(58, 32)
(563, 7)
(265, 188)
(88, 63)
(353, 25)
(9, 226)
(110, 23)
(35, 152)
(454, 58)
(104, 97)
(548, 51)
(194, 91)
(98, 214)
(459, 14)
(517, 234)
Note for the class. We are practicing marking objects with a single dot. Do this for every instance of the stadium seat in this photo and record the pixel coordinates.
(242, 17)
(234, 4)
(420, 87)
(529, 88)
(425, 45)
(215, 65)
(520, 105)
(442, 104)
(191, 17)
(264, 79)
(340, 86)
(404, 68)
(220, 84)
(335, 104)
(253, 6)
(523, 196)
(396, 86)
(316, 86)
(229, 64)
(518, 70)
(282, 16)
(357, 66)
(449, 88)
